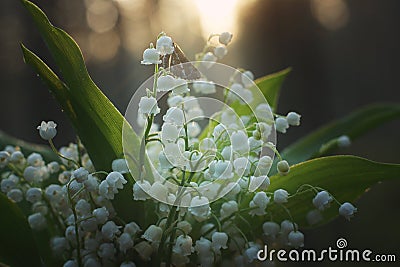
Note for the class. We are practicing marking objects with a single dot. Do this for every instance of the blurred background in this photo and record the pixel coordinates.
(343, 54)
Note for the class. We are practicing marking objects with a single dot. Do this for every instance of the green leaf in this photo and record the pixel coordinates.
(353, 125)
(17, 246)
(95, 119)
(27, 148)
(270, 86)
(345, 177)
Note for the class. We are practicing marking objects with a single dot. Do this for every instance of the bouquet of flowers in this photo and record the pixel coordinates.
(190, 176)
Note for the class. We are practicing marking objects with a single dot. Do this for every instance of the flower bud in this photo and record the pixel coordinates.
(283, 167)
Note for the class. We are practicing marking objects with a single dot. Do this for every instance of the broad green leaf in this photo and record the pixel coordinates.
(17, 246)
(353, 125)
(345, 177)
(95, 119)
(26, 147)
(97, 122)
(270, 86)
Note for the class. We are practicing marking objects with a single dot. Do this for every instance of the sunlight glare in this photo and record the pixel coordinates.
(217, 16)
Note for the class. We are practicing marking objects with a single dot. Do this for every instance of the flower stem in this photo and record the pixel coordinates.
(78, 243)
(60, 155)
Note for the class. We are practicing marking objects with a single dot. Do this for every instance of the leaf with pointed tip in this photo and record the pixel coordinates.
(353, 125)
(95, 119)
(345, 177)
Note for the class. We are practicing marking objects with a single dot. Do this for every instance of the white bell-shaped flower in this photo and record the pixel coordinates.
(15, 195)
(223, 169)
(33, 194)
(159, 191)
(119, 165)
(140, 189)
(80, 174)
(101, 215)
(219, 240)
(251, 253)
(322, 200)
(347, 210)
(242, 166)
(200, 208)
(183, 245)
(153, 233)
(296, 239)
(37, 221)
(271, 229)
(239, 141)
(169, 133)
(148, 105)
(259, 203)
(151, 56)
(281, 196)
(287, 227)
(225, 38)
(83, 207)
(220, 51)
(175, 116)
(165, 83)
(281, 124)
(247, 78)
(293, 118)
(263, 113)
(203, 246)
(109, 230)
(47, 130)
(125, 242)
(164, 45)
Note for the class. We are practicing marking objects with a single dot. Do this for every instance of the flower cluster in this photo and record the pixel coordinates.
(202, 190)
